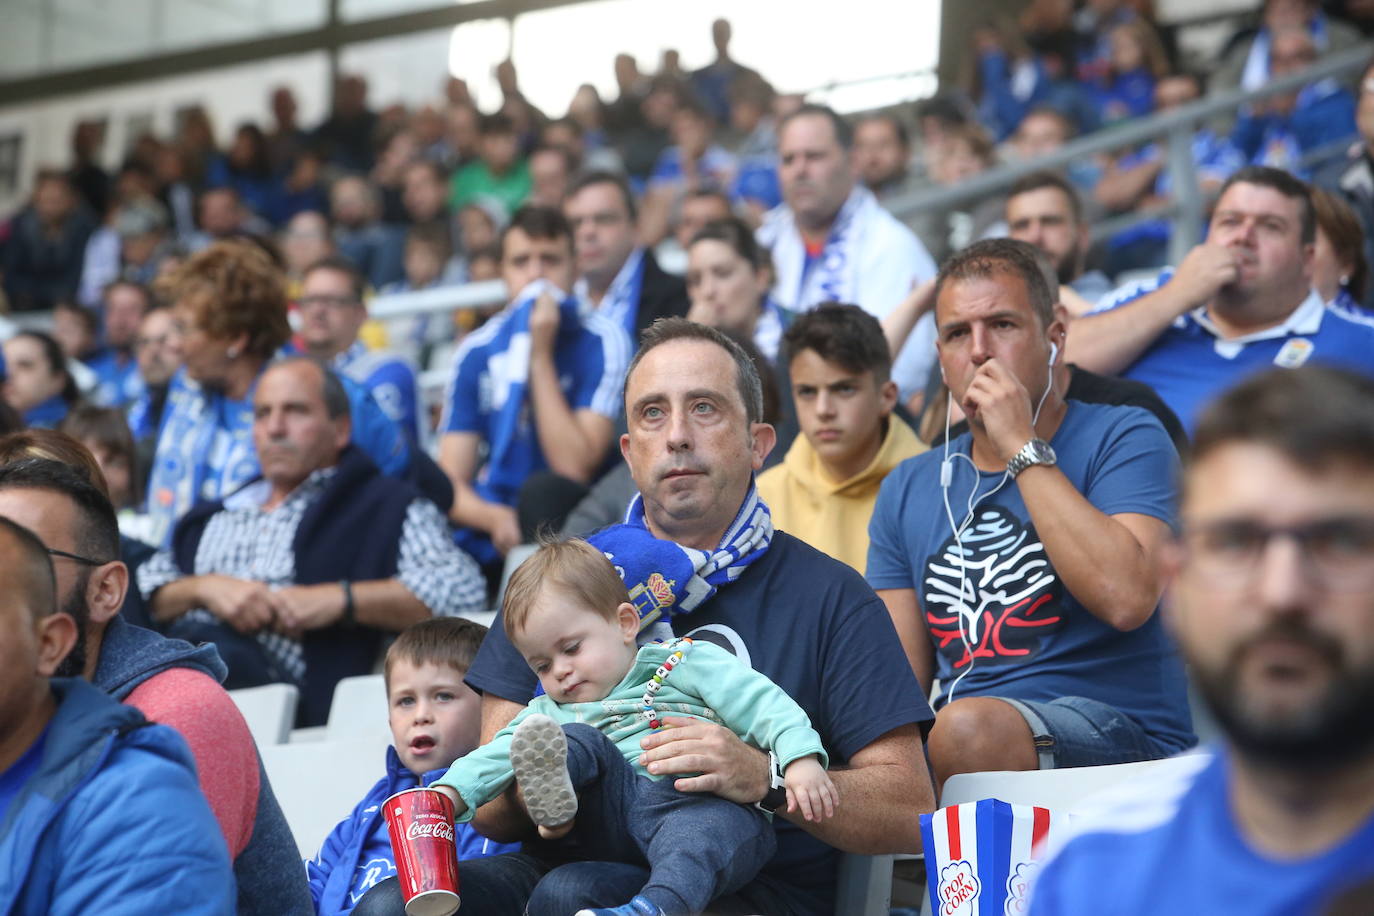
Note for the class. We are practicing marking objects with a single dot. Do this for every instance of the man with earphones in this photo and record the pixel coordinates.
(1018, 562)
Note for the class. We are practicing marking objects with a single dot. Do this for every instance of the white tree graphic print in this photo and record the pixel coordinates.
(1007, 584)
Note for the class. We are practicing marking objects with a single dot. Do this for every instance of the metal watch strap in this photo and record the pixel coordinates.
(1035, 451)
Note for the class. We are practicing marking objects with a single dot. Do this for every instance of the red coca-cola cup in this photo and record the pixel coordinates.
(420, 822)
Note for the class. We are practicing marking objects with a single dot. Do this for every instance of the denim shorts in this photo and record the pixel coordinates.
(1078, 732)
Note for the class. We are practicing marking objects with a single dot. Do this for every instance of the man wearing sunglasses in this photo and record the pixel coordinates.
(1272, 601)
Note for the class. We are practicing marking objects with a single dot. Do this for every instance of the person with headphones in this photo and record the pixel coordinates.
(1018, 560)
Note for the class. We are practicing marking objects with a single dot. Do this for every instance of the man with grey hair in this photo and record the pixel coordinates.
(1018, 562)
(296, 576)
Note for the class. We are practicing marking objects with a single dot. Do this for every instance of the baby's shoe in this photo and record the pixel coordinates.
(639, 906)
(539, 756)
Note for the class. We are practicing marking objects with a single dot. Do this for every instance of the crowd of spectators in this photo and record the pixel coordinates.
(921, 470)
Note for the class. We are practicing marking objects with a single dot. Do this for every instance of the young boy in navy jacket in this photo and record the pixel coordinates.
(435, 719)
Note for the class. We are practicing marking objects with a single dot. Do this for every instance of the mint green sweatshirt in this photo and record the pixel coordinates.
(709, 683)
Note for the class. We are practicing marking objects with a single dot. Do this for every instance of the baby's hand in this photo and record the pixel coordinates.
(810, 790)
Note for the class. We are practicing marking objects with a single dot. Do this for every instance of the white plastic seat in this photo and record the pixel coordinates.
(359, 710)
(517, 555)
(317, 783)
(269, 710)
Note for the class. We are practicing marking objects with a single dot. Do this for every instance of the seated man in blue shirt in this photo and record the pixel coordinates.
(1018, 562)
(1272, 600)
(332, 312)
(1239, 302)
(99, 810)
(538, 384)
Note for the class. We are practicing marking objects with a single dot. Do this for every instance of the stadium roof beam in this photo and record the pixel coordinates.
(330, 35)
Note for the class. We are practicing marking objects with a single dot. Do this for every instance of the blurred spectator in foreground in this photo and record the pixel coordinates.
(41, 259)
(752, 119)
(376, 248)
(106, 814)
(1340, 272)
(1353, 175)
(499, 173)
(105, 434)
(1283, 131)
(38, 383)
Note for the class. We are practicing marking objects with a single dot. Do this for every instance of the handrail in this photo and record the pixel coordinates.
(1178, 125)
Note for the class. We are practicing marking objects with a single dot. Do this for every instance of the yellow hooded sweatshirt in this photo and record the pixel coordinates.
(833, 516)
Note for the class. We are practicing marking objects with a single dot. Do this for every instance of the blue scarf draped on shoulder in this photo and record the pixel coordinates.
(666, 579)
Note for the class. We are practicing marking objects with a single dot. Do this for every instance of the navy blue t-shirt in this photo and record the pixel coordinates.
(1031, 638)
(814, 627)
(1170, 844)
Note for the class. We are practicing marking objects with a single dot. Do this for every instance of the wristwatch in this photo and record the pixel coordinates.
(776, 796)
(1036, 451)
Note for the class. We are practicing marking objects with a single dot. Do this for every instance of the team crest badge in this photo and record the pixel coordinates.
(1293, 353)
(651, 597)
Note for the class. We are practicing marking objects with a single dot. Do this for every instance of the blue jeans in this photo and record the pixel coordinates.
(1079, 732)
(632, 836)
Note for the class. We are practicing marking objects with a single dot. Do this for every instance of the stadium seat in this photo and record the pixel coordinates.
(317, 783)
(865, 885)
(516, 556)
(358, 710)
(269, 711)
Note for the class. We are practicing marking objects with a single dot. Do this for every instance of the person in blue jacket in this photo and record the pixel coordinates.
(99, 810)
(434, 720)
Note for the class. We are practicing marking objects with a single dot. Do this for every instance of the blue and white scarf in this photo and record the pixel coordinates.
(666, 579)
(833, 275)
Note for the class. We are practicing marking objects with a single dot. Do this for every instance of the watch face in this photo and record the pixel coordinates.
(1040, 450)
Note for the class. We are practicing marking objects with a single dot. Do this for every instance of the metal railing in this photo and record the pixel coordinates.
(1175, 127)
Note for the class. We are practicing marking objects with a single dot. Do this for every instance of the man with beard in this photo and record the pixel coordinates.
(1240, 302)
(1272, 602)
(1043, 209)
(171, 682)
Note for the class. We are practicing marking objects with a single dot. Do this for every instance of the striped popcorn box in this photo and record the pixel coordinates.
(981, 857)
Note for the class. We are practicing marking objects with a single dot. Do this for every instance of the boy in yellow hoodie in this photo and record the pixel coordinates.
(823, 491)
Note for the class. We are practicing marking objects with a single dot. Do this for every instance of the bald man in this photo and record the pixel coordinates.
(135, 835)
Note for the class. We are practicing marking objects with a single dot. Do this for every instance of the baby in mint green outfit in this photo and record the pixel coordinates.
(568, 613)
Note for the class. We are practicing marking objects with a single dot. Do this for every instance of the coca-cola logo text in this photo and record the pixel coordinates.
(440, 830)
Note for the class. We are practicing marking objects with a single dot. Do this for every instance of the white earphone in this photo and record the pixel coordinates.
(1054, 352)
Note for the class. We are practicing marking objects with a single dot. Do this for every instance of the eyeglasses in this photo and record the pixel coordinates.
(1339, 550)
(337, 302)
(78, 558)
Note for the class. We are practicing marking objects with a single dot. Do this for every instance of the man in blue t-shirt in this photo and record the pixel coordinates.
(332, 313)
(1271, 598)
(1238, 303)
(538, 385)
(805, 620)
(1019, 563)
